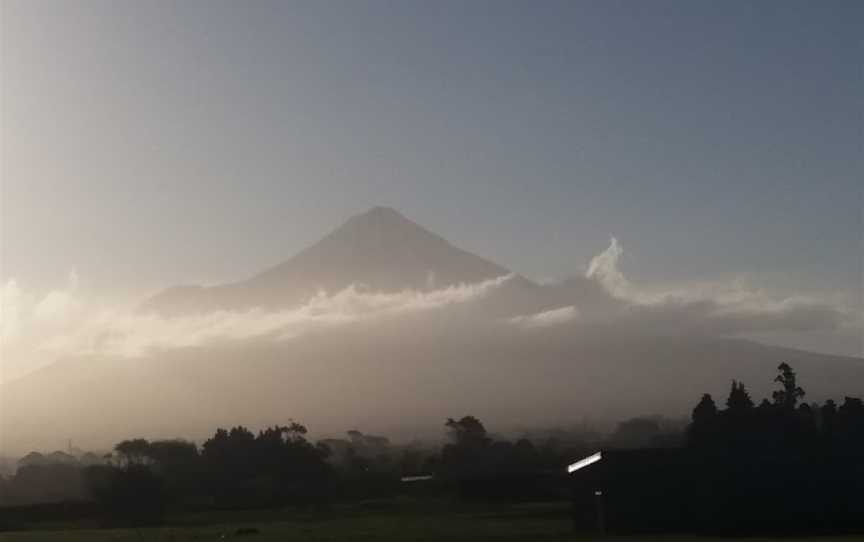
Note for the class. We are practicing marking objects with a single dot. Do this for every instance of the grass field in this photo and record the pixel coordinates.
(370, 523)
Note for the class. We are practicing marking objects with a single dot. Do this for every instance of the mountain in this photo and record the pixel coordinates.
(518, 354)
(379, 249)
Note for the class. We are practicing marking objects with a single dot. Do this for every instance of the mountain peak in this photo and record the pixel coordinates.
(379, 248)
(379, 216)
(381, 211)
(374, 229)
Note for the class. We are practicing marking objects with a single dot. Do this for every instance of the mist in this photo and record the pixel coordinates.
(593, 347)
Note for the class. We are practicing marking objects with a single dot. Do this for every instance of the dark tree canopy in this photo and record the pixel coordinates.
(467, 431)
(705, 411)
(132, 451)
(790, 393)
(739, 400)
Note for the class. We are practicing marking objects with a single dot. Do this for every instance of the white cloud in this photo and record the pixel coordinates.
(35, 330)
(604, 269)
(58, 304)
(552, 317)
(730, 308)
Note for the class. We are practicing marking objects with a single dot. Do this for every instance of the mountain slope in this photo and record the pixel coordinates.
(402, 378)
(379, 249)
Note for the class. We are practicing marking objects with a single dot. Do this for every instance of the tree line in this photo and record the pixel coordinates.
(782, 464)
(140, 481)
(758, 465)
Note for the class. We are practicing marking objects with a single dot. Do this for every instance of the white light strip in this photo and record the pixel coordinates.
(416, 478)
(582, 463)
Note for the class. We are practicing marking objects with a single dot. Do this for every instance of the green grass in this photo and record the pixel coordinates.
(371, 523)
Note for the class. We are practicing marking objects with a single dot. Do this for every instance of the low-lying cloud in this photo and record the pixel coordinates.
(36, 330)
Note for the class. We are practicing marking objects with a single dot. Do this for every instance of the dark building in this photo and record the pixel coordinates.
(630, 491)
(679, 490)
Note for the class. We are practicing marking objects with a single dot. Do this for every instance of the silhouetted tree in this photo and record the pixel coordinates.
(170, 454)
(756, 454)
(480, 467)
(132, 451)
(32, 458)
(277, 466)
(706, 411)
(704, 421)
(179, 465)
(467, 431)
(788, 396)
(739, 401)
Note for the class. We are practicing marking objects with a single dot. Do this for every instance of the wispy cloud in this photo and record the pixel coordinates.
(37, 329)
(552, 317)
(720, 308)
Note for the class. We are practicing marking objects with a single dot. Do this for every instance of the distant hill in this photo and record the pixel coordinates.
(379, 249)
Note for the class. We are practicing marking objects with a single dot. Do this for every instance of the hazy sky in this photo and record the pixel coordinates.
(706, 155)
(150, 143)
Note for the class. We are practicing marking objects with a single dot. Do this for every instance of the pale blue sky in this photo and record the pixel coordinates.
(151, 143)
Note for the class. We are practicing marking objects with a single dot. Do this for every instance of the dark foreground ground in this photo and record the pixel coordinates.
(405, 521)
